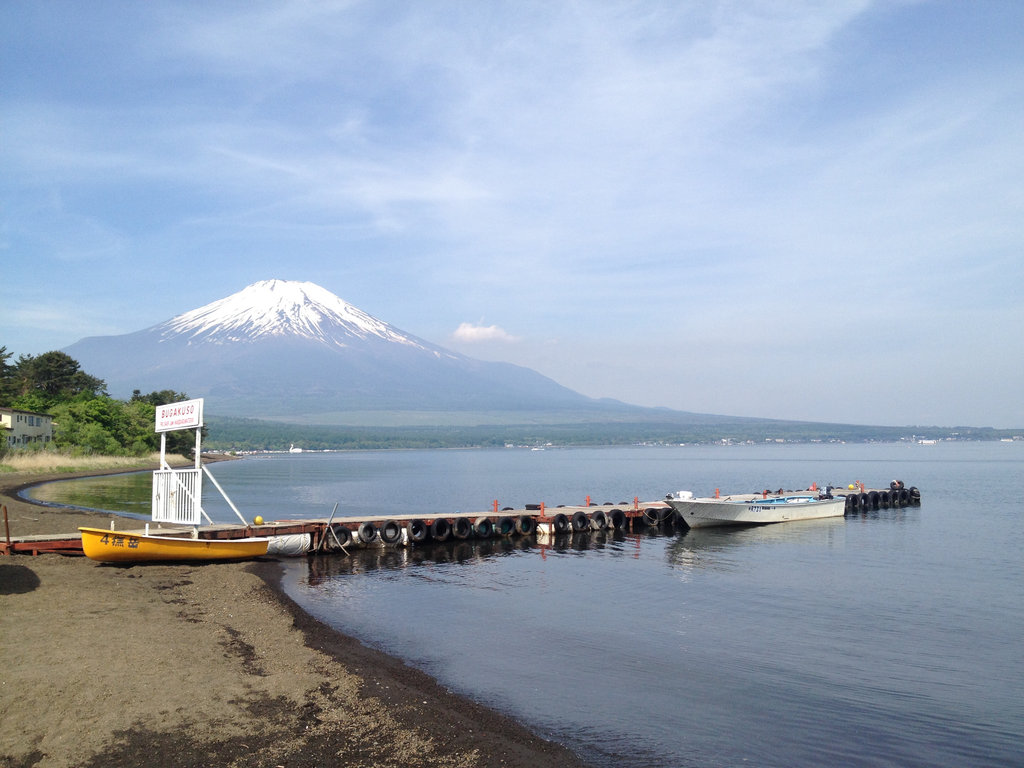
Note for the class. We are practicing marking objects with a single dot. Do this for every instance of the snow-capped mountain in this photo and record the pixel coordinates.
(282, 308)
(284, 349)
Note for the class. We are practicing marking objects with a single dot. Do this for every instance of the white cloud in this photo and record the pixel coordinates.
(470, 333)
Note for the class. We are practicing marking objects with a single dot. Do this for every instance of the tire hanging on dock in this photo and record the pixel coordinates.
(525, 525)
(440, 529)
(462, 528)
(341, 536)
(418, 531)
(617, 519)
(580, 521)
(483, 527)
(390, 532)
(651, 515)
(560, 523)
(367, 532)
(506, 526)
(598, 521)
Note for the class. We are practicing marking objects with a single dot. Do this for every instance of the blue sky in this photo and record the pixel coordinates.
(798, 210)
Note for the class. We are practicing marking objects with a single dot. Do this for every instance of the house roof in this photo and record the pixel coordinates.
(5, 409)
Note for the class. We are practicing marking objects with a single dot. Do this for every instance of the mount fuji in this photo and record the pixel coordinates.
(294, 351)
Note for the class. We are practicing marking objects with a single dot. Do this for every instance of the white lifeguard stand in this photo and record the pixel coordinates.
(178, 493)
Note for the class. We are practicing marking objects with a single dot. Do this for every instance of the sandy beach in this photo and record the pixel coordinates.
(200, 665)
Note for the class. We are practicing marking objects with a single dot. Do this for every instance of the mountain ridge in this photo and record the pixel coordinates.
(291, 350)
(295, 357)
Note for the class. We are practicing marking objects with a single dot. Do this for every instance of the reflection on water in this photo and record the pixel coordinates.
(127, 494)
(685, 549)
(709, 548)
(475, 551)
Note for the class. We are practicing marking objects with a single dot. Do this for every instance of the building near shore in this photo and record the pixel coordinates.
(24, 428)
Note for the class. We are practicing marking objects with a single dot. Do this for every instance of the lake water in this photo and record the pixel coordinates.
(891, 638)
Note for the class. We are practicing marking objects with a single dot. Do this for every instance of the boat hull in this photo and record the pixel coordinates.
(704, 513)
(119, 547)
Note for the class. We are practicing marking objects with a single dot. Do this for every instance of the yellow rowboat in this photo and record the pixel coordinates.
(120, 547)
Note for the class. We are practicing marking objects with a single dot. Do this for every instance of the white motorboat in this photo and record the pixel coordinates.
(752, 508)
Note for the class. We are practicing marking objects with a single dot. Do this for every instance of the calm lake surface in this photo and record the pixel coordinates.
(892, 638)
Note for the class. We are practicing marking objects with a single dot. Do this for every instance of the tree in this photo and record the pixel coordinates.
(163, 397)
(7, 372)
(86, 419)
(50, 378)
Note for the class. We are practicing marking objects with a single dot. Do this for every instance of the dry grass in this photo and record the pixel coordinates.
(47, 462)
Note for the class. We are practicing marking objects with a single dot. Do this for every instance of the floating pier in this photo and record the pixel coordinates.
(339, 534)
(531, 520)
(859, 499)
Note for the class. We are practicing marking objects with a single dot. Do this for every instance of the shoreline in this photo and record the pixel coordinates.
(210, 664)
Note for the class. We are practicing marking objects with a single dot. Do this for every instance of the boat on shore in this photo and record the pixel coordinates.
(753, 509)
(108, 546)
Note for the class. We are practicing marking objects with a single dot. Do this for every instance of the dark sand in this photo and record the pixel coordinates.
(209, 665)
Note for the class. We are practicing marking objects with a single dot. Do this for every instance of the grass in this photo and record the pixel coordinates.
(48, 462)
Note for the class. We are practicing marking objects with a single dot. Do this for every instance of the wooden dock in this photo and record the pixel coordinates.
(338, 534)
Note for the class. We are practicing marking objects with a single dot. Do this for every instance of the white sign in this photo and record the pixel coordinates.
(184, 415)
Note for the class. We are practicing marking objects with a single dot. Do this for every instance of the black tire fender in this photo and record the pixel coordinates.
(367, 532)
(390, 532)
(440, 529)
(462, 528)
(525, 525)
(418, 531)
(580, 521)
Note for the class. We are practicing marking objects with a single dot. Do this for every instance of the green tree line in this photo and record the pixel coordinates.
(86, 420)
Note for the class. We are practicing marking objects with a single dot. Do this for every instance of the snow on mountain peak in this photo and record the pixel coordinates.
(272, 308)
